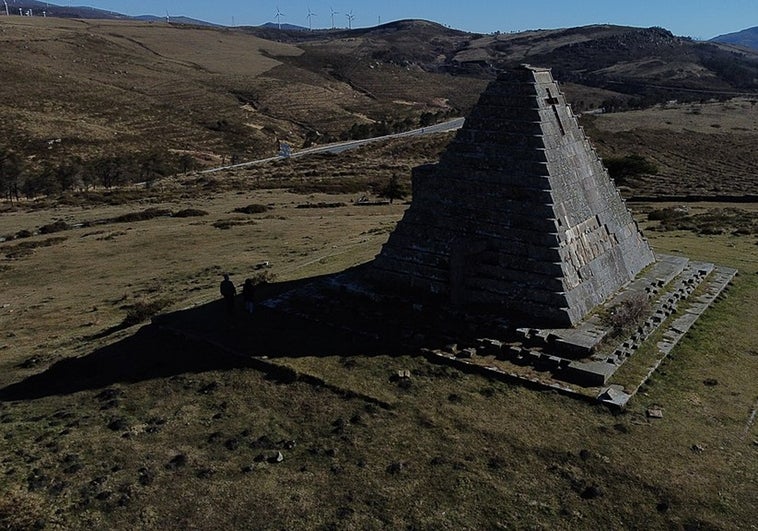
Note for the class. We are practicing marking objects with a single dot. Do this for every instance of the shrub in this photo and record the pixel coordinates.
(143, 310)
(26, 248)
(190, 213)
(341, 185)
(263, 277)
(627, 314)
(621, 168)
(225, 224)
(20, 510)
(56, 226)
(394, 189)
(667, 213)
(715, 221)
(252, 209)
(321, 205)
(144, 215)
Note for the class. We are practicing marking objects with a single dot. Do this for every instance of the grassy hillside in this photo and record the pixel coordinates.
(109, 425)
(747, 38)
(699, 149)
(93, 88)
(108, 86)
(635, 66)
(103, 87)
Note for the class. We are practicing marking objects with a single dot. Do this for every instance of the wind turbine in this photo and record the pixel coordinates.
(278, 17)
(311, 14)
(168, 18)
(333, 13)
(8, 14)
(350, 18)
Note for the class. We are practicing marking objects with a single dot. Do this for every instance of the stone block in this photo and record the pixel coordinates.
(591, 374)
(490, 347)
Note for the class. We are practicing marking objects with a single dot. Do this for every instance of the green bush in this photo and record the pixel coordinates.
(20, 510)
(26, 248)
(144, 215)
(621, 168)
(321, 205)
(394, 189)
(715, 221)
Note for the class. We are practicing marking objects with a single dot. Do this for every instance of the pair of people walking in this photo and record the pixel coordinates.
(229, 291)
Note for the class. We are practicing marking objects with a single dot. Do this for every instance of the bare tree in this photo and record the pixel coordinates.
(11, 172)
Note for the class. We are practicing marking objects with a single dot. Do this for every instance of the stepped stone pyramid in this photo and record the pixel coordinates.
(519, 215)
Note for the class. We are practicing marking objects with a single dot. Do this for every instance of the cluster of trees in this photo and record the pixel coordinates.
(623, 168)
(11, 168)
(21, 178)
(393, 189)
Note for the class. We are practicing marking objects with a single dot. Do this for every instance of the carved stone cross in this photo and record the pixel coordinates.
(554, 101)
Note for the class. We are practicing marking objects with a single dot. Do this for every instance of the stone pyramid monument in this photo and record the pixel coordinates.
(518, 216)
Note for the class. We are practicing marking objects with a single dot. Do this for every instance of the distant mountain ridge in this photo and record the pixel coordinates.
(175, 20)
(283, 27)
(53, 10)
(85, 12)
(747, 38)
(16, 7)
(646, 65)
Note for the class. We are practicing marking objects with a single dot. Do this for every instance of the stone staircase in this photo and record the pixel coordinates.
(577, 360)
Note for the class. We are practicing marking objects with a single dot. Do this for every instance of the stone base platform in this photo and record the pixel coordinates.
(582, 340)
(582, 360)
(548, 357)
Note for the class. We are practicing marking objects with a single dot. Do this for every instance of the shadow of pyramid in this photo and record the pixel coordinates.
(206, 338)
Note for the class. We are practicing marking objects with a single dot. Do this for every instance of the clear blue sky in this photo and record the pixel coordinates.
(694, 18)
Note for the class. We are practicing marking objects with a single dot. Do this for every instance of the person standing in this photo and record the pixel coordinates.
(248, 295)
(228, 291)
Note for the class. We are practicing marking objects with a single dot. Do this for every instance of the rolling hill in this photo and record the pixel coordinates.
(747, 38)
(647, 63)
(95, 88)
(58, 11)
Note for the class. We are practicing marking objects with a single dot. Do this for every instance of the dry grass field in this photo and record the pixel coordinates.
(106, 425)
(100, 84)
(701, 149)
(97, 87)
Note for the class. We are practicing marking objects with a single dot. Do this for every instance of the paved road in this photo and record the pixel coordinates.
(339, 147)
